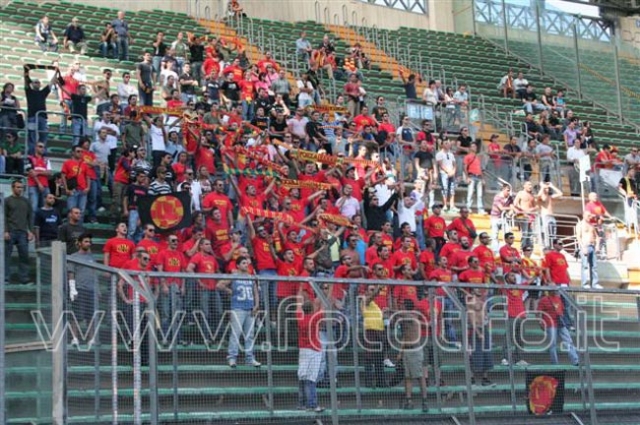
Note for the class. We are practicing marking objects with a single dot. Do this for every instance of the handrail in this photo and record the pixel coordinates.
(354, 17)
(207, 13)
(197, 7)
(316, 7)
(345, 15)
(327, 15)
(336, 19)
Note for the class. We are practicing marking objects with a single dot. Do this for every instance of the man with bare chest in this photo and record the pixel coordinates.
(587, 241)
(526, 207)
(546, 197)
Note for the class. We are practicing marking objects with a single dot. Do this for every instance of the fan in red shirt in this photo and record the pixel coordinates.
(219, 199)
(434, 227)
(460, 260)
(211, 67)
(451, 247)
(287, 267)
(149, 243)
(357, 184)
(557, 265)
(427, 259)
(405, 230)
(364, 119)
(118, 250)
(474, 273)
(205, 263)
(74, 173)
(218, 232)
(234, 69)
(404, 292)
(441, 274)
(204, 155)
(596, 208)
(347, 270)
(509, 255)
(139, 263)
(371, 254)
(463, 224)
(380, 272)
(268, 60)
(262, 245)
(485, 254)
(516, 313)
(404, 256)
(171, 260)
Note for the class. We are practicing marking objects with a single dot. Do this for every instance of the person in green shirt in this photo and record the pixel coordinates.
(133, 132)
(13, 151)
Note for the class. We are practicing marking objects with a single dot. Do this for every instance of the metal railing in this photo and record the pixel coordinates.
(130, 382)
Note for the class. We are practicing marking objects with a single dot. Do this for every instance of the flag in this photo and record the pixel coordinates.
(545, 392)
(167, 212)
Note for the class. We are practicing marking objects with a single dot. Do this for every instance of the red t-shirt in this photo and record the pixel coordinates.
(404, 292)
(38, 163)
(472, 276)
(121, 175)
(205, 264)
(88, 157)
(204, 157)
(287, 289)
(508, 252)
(435, 226)
(120, 251)
(558, 267)
(459, 225)
(247, 90)
(412, 248)
(473, 164)
(428, 258)
(382, 299)
(72, 168)
(400, 257)
(553, 308)
(172, 261)
(515, 302)
(262, 254)
(449, 250)
(152, 248)
(485, 258)
(218, 233)
(308, 330)
(215, 199)
(371, 255)
(461, 259)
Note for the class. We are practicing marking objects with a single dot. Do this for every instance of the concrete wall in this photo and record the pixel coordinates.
(439, 17)
(629, 30)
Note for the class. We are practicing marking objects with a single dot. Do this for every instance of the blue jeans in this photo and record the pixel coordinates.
(104, 49)
(449, 327)
(122, 48)
(146, 99)
(188, 97)
(156, 62)
(242, 323)
(589, 270)
(3, 164)
(565, 337)
(78, 129)
(170, 304)
(20, 239)
(36, 198)
(133, 230)
(326, 352)
(41, 126)
(92, 202)
(307, 395)
(269, 288)
(78, 199)
(247, 110)
(481, 360)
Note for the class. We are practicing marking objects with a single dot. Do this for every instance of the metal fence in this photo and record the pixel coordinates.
(145, 362)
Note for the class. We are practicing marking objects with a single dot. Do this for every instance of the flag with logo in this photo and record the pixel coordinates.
(168, 213)
(545, 392)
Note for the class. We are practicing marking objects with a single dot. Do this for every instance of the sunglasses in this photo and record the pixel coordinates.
(145, 258)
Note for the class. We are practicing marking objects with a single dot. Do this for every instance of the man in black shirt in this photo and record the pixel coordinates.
(278, 127)
(37, 102)
(74, 38)
(230, 89)
(144, 73)
(409, 85)
(530, 101)
(79, 106)
(259, 120)
(196, 50)
(317, 137)
(263, 101)
(188, 84)
(47, 222)
(159, 50)
(71, 230)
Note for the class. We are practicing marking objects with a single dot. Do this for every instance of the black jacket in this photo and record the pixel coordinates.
(377, 215)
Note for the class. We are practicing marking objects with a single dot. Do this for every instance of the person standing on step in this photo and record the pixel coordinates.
(446, 164)
(83, 284)
(71, 230)
(123, 38)
(18, 217)
(37, 108)
(144, 74)
(472, 175)
(47, 221)
(310, 354)
(552, 322)
(516, 314)
(587, 238)
(412, 354)
(245, 301)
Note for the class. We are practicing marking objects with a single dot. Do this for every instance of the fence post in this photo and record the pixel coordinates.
(504, 24)
(577, 57)
(539, 34)
(2, 308)
(473, 17)
(271, 345)
(616, 68)
(59, 358)
(114, 349)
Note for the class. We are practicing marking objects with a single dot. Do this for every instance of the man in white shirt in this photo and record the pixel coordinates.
(631, 160)
(407, 210)
(297, 125)
(126, 89)
(461, 101)
(574, 153)
(348, 205)
(520, 85)
(546, 155)
(446, 161)
(113, 131)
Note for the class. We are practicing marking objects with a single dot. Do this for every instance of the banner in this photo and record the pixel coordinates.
(260, 158)
(258, 212)
(304, 184)
(336, 219)
(154, 110)
(545, 392)
(249, 172)
(167, 212)
(331, 160)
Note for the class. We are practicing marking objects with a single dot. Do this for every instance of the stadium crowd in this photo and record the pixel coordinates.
(281, 184)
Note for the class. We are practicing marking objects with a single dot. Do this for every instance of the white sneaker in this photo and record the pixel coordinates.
(596, 286)
(504, 362)
(389, 363)
(522, 363)
(101, 209)
(232, 363)
(254, 363)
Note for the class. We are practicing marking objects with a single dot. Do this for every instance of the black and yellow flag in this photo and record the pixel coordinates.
(167, 212)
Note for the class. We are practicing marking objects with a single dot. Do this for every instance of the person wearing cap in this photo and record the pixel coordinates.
(74, 38)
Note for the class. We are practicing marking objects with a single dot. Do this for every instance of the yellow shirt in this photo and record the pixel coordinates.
(373, 320)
